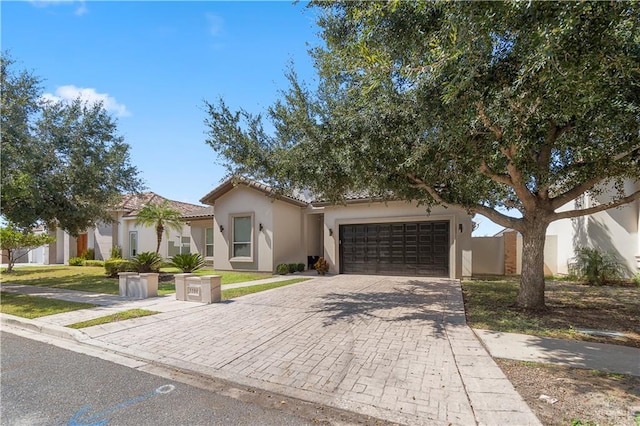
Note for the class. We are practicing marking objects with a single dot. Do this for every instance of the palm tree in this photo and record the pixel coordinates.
(161, 216)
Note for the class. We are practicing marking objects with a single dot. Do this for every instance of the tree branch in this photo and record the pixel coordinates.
(573, 193)
(526, 197)
(497, 217)
(497, 131)
(583, 212)
(500, 178)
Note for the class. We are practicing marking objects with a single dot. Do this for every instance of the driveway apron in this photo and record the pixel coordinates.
(395, 348)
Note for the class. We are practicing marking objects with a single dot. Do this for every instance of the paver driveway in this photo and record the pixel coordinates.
(396, 348)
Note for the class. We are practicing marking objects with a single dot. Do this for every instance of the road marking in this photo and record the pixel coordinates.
(80, 417)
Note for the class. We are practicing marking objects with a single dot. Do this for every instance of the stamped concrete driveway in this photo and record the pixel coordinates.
(395, 348)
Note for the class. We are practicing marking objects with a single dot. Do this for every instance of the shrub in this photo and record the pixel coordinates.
(595, 267)
(300, 267)
(322, 266)
(636, 279)
(116, 252)
(88, 254)
(282, 269)
(187, 262)
(147, 261)
(93, 263)
(76, 261)
(293, 267)
(113, 266)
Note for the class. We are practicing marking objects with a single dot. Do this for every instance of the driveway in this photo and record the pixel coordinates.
(395, 348)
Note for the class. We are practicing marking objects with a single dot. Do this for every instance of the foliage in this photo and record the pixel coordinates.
(162, 216)
(26, 306)
(293, 267)
(119, 316)
(13, 241)
(113, 266)
(62, 164)
(594, 266)
(147, 261)
(187, 262)
(116, 252)
(636, 279)
(484, 106)
(76, 261)
(98, 263)
(322, 266)
(88, 254)
(232, 293)
(282, 269)
(300, 267)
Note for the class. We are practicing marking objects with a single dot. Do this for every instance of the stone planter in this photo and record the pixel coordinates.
(138, 286)
(205, 289)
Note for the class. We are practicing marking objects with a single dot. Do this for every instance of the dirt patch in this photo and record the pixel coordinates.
(575, 397)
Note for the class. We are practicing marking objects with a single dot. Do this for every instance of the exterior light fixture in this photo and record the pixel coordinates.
(460, 227)
(330, 232)
(260, 227)
(221, 228)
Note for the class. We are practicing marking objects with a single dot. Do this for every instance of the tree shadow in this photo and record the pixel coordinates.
(410, 301)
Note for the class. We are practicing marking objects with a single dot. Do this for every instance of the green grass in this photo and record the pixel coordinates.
(93, 279)
(35, 307)
(120, 316)
(232, 293)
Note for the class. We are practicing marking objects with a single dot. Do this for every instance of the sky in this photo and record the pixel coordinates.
(153, 64)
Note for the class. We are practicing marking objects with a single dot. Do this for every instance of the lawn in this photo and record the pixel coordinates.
(119, 316)
(242, 291)
(35, 307)
(489, 305)
(93, 279)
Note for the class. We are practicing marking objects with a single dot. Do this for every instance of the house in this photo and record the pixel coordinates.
(122, 231)
(255, 229)
(616, 231)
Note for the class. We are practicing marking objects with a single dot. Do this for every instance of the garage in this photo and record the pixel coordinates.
(408, 248)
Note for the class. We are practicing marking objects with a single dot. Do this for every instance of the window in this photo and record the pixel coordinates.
(242, 236)
(208, 243)
(181, 245)
(133, 243)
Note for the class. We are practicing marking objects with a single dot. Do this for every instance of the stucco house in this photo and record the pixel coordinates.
(254, 229)
(616, 231)
(122, 231)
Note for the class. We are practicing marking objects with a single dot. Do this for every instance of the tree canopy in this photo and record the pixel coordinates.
(17, 243)
(62, 164)
(484, 106)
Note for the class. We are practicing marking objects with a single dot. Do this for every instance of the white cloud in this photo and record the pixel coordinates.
(216, 24)
(81, 8)
(71, 93)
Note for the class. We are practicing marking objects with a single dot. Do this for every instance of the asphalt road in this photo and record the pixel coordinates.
(42, 384)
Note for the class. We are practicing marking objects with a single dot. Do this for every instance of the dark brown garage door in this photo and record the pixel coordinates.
(416, 248)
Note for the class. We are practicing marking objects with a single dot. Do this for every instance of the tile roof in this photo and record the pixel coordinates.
(202, 213)
(132, 203)
(232, 182)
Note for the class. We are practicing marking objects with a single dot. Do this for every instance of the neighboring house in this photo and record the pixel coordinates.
(200, 225)
(123, 232)
(255, 229)
(616, 231)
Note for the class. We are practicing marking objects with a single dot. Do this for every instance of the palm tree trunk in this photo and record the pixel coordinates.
(159, 231)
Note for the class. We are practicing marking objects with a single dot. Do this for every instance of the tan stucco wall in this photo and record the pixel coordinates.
(289, 234)
(398, 211)
(198, 235)
(488, 255)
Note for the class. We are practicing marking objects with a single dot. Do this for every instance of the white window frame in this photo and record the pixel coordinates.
(133, 248)
(205, 242)
(232, 241)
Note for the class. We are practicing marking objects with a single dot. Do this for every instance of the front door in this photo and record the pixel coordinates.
(81, 244)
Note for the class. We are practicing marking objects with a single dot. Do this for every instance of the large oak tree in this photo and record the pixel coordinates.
(62, 164)
(487, 106)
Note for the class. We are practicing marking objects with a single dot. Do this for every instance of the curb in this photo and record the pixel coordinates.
(41, 327)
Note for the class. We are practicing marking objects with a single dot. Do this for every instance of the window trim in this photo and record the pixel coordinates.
(133, 249)
(212, 243)
(232, 243)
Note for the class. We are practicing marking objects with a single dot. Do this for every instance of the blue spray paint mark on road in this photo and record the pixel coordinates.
(99, 419)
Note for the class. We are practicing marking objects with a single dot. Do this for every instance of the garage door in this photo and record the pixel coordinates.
(415, 248)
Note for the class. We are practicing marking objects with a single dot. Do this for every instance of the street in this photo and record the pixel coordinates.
(45, 385)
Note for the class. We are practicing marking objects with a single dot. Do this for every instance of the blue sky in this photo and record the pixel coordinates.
(154, 63)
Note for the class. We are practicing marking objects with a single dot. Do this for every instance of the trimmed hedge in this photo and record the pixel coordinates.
(113, 266)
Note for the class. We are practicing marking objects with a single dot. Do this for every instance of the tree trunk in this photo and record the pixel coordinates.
(531, 294)
(159, 231)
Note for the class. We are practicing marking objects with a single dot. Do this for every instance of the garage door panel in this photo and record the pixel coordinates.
(414, 248)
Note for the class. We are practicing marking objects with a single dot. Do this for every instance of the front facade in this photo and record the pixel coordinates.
(256, 230)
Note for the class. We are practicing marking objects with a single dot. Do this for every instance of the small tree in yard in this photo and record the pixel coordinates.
(13, 240)
(485, 106)
(162, 216)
